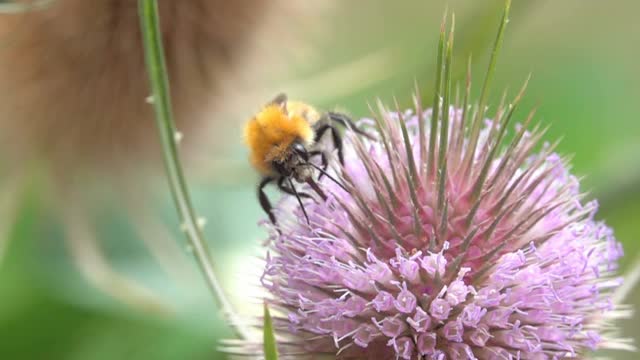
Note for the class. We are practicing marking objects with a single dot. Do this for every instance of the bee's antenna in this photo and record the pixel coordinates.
(328, 175)
(304, 211)
(346, 121)
(280, 99)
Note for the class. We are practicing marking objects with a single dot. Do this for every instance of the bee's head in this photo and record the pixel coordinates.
(295, 164)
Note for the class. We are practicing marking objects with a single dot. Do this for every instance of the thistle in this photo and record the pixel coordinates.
(443, 240)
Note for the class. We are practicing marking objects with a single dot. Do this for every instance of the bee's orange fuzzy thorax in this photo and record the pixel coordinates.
(270, 133)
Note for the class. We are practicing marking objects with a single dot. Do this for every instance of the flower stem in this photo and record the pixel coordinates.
(156, 68)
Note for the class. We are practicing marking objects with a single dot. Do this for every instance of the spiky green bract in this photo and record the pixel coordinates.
(269, 338)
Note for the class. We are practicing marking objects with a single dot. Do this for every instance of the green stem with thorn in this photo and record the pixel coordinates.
(156, 68)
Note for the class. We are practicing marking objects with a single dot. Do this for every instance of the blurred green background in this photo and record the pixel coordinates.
(583, 57)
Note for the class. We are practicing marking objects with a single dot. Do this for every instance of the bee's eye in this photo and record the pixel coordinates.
(299, 149)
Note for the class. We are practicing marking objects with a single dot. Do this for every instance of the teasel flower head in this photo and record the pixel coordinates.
(443, 240)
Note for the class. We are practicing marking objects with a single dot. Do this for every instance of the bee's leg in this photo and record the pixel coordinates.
(288, 190)
(304, 211)
(264, 200)
(335, 135)
(346, 121)
(323, 160)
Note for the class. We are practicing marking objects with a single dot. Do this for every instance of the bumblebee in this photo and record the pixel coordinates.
(283, 138)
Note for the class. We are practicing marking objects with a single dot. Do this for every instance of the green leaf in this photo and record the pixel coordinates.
(270, 348)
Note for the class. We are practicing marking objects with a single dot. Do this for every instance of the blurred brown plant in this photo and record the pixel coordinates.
(72, 97)
(73, 79)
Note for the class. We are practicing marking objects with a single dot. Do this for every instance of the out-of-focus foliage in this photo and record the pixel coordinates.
(582, 55)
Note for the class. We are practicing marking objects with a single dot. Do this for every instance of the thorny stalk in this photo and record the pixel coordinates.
(156, 68)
